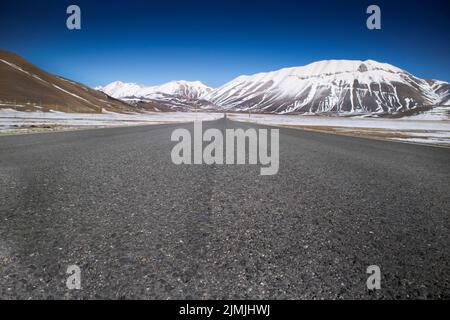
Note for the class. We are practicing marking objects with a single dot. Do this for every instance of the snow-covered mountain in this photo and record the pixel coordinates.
(331, 86)
(186, 89)
(172, 96)
(337, 86)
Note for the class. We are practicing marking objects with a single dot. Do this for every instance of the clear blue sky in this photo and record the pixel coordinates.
(152, 42)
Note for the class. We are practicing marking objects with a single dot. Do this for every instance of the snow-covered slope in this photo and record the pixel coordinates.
(119, 89)
(442, 89)
(329, 86)
(186, 89)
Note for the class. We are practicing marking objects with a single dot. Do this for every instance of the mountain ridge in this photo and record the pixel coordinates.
(327, 86)
(189, 89)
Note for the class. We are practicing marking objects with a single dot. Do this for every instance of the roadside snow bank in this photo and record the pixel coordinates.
(12, 120)
(413, 130)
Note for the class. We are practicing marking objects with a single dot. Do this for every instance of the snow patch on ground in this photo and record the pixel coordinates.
(425, 141)
(437, 113)
(12, 121)
(420, 131)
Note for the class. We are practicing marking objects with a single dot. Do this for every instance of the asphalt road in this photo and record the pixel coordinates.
(138, 226)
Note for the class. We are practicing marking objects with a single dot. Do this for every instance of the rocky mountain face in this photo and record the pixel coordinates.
(331, 86)
(442, 89)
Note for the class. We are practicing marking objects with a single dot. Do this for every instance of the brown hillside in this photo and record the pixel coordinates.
(25, 87)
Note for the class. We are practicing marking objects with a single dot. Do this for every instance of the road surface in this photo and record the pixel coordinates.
(138, 226)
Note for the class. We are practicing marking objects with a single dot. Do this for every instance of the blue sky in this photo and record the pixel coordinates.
(214, 41)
